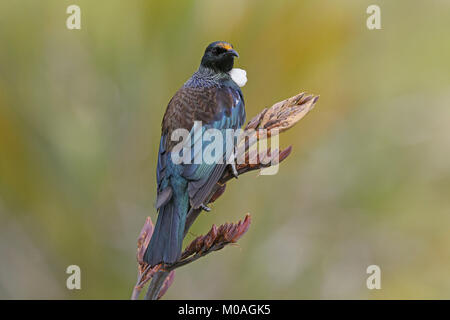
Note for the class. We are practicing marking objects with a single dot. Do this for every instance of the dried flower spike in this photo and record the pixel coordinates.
(217, 238)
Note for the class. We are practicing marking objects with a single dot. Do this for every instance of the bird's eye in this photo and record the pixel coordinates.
(219, 50)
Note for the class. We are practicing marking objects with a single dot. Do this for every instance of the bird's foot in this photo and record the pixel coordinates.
(204, 207)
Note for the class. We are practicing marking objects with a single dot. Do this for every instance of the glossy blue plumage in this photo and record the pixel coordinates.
(209, 96)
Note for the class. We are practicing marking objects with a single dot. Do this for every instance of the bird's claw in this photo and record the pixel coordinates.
(204, 207)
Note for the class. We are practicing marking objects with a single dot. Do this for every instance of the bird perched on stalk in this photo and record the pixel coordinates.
(212, 95)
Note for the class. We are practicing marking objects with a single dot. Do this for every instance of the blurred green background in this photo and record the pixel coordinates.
(368, 181)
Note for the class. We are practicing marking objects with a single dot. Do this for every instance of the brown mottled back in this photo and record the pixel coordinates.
(195, 104)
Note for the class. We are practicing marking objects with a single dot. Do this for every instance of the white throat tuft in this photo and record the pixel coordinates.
(239, 76)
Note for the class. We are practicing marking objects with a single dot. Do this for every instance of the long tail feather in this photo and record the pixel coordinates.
(166, 242)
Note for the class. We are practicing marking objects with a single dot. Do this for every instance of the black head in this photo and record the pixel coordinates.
(219, 56)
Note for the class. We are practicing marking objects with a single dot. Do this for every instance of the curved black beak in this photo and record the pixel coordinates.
(233, 53)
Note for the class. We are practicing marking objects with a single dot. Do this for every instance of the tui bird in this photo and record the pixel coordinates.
(214, 98)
